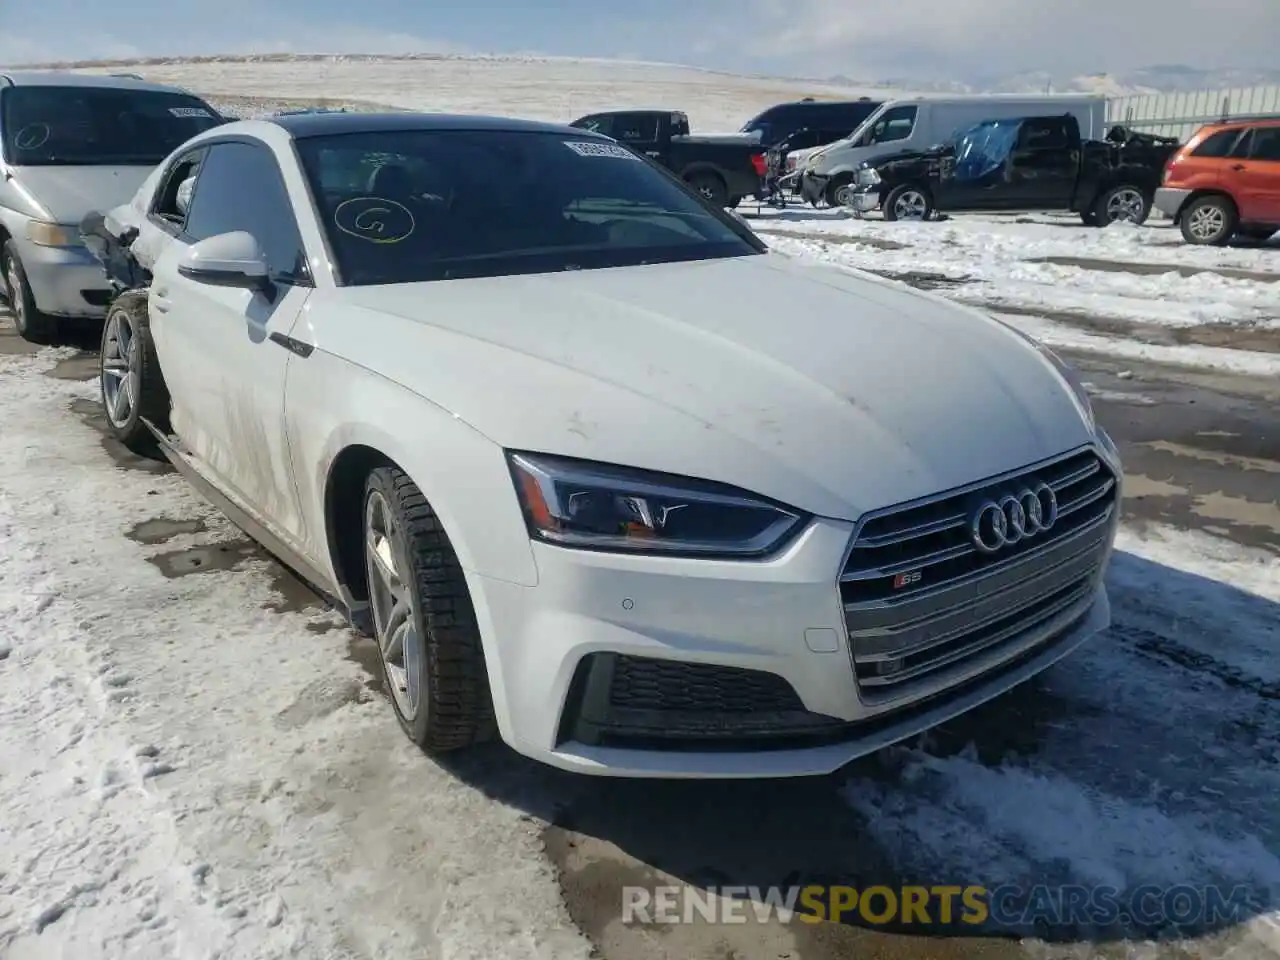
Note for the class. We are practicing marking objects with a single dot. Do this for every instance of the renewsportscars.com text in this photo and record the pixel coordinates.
(946, 905)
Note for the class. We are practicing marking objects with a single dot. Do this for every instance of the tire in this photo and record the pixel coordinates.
(1089, 218)
(438, 683)
(907, 197)
(131, 386)
(711, 188)
(837, 188)
(32, 325)
(1122, 204)
(1209, 220)
(733, 203)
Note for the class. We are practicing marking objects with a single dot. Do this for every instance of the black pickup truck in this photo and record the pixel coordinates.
(724, 169)
(1024, 164)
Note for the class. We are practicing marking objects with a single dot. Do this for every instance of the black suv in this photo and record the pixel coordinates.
(823, 121)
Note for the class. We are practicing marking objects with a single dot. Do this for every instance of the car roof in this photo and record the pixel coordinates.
(809, 104)
(1237, 122)
(303, 125)
(65, 78)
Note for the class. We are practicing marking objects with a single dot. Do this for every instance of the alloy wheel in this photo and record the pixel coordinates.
(390, 586)
(844, 195)
(1125, 205)
(910, 205)
(120, 369)
(1207, 223)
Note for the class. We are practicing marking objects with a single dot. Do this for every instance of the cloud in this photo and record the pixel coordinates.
(966, 38)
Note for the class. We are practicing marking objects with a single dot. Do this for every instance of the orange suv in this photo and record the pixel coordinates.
(1224, 182)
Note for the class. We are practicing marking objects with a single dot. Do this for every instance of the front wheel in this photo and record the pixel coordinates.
(839, 191)
(132, 387)
(432, 659)
(907, 202)
(1209, 221)
(32, 325)
(1123, 204)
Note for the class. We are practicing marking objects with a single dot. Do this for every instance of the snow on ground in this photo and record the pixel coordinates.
(1011, 263)
(189, 770)
(554, 89)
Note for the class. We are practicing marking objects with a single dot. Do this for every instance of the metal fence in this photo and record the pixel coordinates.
(1181, 114)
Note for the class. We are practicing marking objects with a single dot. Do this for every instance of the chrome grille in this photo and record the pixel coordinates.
(924, 605)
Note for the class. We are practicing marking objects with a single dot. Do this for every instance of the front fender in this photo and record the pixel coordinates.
(462, 473)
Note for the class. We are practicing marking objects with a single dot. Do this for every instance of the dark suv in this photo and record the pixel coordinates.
(822, 121)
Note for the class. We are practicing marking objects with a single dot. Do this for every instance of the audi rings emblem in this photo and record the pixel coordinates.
(1012, 518)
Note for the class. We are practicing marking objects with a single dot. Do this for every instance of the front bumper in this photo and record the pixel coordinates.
(1169, 200)
(65, 281)
(652, 667)
(865, 199)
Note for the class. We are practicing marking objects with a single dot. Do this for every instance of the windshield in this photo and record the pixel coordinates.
(98, 126)
(404, 207)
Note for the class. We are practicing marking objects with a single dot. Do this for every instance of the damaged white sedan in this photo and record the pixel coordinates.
(601, 474)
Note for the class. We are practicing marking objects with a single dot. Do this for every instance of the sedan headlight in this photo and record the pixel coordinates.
(46, 234)
(575, 503)
(868, 177)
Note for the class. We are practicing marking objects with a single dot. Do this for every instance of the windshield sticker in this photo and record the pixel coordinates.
(587, 148)
(32, 137)
(374, 219)
(191, 112)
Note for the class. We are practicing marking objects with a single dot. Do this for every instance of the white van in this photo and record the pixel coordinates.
(923, 122)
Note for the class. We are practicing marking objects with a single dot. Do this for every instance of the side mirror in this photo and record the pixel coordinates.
(227, 260)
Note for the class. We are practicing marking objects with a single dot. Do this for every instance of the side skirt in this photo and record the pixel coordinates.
(303, 568)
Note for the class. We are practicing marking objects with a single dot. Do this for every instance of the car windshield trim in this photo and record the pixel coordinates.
(430, 205)
(83, 126)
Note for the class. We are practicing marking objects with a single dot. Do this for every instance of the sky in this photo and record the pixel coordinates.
(959, 40)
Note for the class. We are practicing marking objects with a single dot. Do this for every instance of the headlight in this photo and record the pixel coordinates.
(52, 234)
(868, 177)
(574, 503)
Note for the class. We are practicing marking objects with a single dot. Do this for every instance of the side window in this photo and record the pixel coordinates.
(1266, 144)
(636, 126)
(601, 125)
(174, 196)
(1217, 145)
(240, 188)
(896, 124)
(1043, 135)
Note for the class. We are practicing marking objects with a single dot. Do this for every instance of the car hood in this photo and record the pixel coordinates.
(67, 194)
(828, 389)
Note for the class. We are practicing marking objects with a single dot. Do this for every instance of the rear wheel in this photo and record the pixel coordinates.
(432, 659)
(1209, 221)
(711, 188)
(907, 202)
(1122, 204)
(132, 388)
(32, 325)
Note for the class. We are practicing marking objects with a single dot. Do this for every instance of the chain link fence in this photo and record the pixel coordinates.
(1181, 114)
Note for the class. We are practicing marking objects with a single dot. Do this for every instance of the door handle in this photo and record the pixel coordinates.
(296, 347)
(1237, 166)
